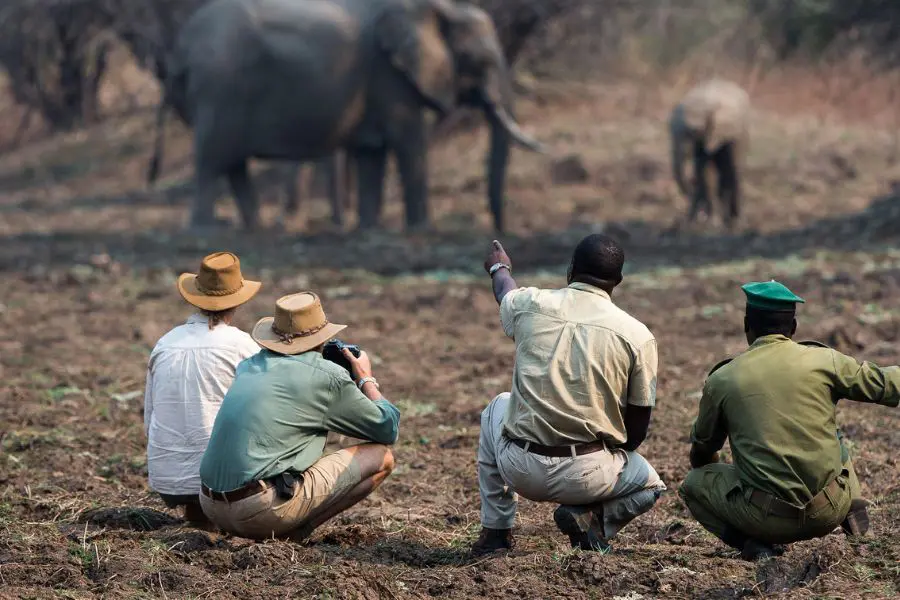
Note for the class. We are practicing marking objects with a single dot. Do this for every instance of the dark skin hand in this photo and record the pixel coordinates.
(637, 421)
(701, 459)
(502, 280)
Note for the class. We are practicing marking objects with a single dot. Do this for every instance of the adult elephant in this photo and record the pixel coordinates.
(298, 79)
(710, 125)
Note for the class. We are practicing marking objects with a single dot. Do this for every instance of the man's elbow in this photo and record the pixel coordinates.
(391, 439)
(634, 442)
(389, 436)
(700, 457)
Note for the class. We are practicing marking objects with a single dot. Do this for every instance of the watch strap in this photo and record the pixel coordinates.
(497, 266)
(366, 380)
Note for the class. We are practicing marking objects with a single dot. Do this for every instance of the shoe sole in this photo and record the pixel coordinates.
(856, 523)
(568, 524)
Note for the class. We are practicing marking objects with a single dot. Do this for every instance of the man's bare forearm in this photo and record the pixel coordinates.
(502, 283)
(637, 423)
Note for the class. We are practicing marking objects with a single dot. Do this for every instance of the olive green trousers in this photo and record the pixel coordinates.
(721, 503)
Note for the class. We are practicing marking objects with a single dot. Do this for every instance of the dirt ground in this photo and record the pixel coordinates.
(89, 259)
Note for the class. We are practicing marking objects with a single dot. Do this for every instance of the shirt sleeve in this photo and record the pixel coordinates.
(708, 433)
(642, 381)
(248, 348)
(148, 402)
(865, 382)
(354, 415)
(510, 306)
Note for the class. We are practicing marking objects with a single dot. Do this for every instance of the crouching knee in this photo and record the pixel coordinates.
(387, 462)
(694, 492)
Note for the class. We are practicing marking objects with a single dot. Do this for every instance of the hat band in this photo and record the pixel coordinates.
(209, 292)
(287, 337)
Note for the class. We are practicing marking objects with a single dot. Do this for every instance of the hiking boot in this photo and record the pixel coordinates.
(857, 520)
(583, 525)
(756, 550)
(195, 518)
(492, 540)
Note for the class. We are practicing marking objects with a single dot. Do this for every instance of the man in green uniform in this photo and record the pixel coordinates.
(791, 479)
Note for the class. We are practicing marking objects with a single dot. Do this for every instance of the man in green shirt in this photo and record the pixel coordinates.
(792, 479)
(265, 473)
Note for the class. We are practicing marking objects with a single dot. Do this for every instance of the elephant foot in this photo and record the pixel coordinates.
(208, 227)
(365, 227)
(338, 228)
(731, 226)
(419, 228)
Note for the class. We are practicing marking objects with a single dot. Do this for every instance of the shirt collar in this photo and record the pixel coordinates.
(196, 318)
(766, 340)
(586, 287)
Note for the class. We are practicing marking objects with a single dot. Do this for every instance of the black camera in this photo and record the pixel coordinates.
(333, 351)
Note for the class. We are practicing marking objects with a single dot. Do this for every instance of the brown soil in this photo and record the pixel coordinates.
(89, 258)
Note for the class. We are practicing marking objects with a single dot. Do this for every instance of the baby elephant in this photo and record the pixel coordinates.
(710, 124)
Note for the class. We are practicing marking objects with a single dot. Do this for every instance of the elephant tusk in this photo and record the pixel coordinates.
(518, 136)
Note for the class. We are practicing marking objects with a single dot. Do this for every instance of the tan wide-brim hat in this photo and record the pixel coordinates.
(219, 285)
(299, 325)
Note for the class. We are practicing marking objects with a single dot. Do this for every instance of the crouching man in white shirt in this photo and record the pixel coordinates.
(189, 372)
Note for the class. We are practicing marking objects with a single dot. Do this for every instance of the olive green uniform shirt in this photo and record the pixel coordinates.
(775, 403)
(277, 413)
(580, 360)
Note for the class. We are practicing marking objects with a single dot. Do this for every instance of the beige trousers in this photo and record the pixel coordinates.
(266, 515)
(622, 482)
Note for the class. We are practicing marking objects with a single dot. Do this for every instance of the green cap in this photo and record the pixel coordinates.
(770, 295)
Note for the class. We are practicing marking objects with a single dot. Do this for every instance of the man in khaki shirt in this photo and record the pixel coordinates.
(584, 385)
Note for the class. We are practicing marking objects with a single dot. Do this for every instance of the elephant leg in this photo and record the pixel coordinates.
(370, 165)
(206, 192)
(700, 200)
(244, 195)
(412, 163)
(292, 197)
(349, 179)
(337, 189)
(728, 184)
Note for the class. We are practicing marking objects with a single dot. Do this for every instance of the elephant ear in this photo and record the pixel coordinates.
(417, 48)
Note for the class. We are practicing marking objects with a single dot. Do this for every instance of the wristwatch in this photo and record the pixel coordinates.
(497, 266)
(366, 380)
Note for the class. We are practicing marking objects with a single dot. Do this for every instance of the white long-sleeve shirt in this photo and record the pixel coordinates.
(189, 372)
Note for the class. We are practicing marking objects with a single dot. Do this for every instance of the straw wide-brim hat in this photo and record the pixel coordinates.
(299, 325)
(219, 285)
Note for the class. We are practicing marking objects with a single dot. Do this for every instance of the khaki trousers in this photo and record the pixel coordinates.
(622, 482)
(267, 515)
(721, 503)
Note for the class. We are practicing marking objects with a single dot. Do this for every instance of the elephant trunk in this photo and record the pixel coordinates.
(498, 107)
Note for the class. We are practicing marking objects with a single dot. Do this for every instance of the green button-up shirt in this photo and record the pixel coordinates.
(277, 413)
(775, 403)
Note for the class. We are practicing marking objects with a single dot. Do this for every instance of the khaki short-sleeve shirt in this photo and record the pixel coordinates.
(580, 360)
